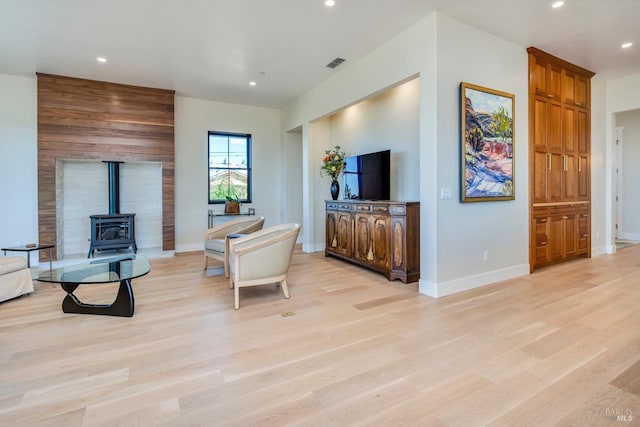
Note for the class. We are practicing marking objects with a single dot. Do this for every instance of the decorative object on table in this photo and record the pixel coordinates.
(487, 128)
(332, 166)
(232, 205)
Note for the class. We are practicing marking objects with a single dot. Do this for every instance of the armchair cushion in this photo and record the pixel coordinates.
(9, 264)
(215, 239)
(215, 245)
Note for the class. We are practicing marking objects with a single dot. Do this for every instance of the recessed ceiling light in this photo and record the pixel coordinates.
(252, 83)
(101, 59)
(626, 45)
(329, 3)
(557, 4)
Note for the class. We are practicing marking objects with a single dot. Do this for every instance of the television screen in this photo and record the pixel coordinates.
(367, 176)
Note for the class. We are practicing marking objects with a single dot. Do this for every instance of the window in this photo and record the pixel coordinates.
(229, 167)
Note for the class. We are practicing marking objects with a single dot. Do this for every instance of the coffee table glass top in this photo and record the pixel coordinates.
(107, 270)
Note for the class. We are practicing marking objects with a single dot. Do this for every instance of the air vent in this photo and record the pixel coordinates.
(335, 62)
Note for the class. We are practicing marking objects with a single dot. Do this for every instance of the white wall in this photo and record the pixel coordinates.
(18, 161)
(629, 194)
(600, 186)
(622, 94)
(193, 119)
(467, 230)
(454, 236)
(292, 154)
(390, 120)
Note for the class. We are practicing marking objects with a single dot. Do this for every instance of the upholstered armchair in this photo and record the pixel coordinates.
(216, 240)
(261, 258)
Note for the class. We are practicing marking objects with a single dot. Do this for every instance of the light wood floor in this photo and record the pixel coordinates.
(559, 347)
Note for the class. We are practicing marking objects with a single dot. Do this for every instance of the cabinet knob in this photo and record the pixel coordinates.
(542, 220)
(565, 217)
(550, 95)
(542, 243)
(578, 103)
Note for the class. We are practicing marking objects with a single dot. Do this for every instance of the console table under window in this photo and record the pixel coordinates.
(221, 218)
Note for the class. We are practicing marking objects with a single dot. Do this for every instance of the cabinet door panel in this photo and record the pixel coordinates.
(582, 132)
(398, 233)
(583, 178)
(568, 88)
(554, 82)
(554, 241)
(540, 125)
(541, 162)
(582, 92)
(331, 231)
(583, 232)
(569, 121)
(556, 177)
(554, 127)
(362, 238)
(381, 241)
(345, 239)
(540, 77)
(570, 178)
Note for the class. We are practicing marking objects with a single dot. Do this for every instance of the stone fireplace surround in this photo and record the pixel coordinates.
(82, 190)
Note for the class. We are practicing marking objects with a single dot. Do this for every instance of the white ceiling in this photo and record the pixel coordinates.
(211, 49)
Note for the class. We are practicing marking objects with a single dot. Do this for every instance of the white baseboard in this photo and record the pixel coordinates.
(437, 290)
(602, 250)
(629, 236)
(190, 247)
(312, 247)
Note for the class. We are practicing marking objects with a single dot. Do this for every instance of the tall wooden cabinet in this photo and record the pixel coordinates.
(560, 159)
(383, 236)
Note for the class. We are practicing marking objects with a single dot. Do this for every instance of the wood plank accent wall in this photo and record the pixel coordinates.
(86, 119)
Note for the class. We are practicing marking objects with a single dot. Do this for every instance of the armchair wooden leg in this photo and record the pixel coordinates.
(206, 258)
(285, 290)
(236, 295)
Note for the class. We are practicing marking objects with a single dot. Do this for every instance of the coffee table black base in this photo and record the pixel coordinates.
(122, 306)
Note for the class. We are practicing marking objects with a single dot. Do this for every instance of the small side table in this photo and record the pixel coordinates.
(28, 250)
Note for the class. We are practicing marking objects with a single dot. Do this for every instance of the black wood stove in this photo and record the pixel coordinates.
(114, 230)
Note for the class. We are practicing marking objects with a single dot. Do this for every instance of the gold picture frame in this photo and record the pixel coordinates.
(488, 144)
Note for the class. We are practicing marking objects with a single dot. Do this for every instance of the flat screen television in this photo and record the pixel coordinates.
(368, 176)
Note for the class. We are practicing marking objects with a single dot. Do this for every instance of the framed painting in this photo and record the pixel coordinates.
(487, 131)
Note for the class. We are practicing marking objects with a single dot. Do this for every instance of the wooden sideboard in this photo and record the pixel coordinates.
(383, 236)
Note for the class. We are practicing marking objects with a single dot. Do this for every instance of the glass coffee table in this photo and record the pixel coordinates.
(109, 270)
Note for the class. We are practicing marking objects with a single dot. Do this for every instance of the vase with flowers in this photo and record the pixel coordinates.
(332, 166)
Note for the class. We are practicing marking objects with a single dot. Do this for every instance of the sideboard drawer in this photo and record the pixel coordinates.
(398, 209)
